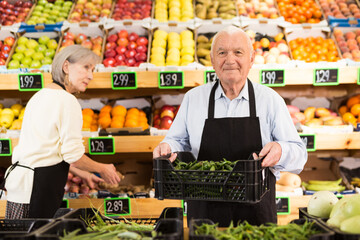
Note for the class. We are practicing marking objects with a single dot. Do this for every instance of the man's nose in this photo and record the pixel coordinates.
(230, 58)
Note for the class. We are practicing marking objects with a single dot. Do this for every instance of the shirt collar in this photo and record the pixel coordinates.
(244, 93)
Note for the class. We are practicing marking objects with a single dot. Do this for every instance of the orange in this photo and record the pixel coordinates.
(118, 119)
(117, 124)
(88, 111)
(142, 113)
(130, 123)
(355, 109)
(143, 119)
(94, 121)
(343, 109)
(104, 114)
(86, 124)
(96, 116)
(106, 108)
(94, 127)
(144, 126)
(133, 111)
(352, 101)
(349, 118)
(87, 118)
(118, 111)
(104, 122)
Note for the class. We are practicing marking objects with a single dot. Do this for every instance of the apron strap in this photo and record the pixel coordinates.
(252, 106)
(60, 84)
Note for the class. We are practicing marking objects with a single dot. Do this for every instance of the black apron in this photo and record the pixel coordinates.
(233, 139)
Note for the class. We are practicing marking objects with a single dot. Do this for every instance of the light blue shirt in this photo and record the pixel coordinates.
(275, 122)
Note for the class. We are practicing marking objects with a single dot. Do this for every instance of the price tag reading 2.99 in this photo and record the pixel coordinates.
(124, 80)
(171, 80)
(117, 206)
(30, 81)
(326, 77)
(101, 145)
(272, 78)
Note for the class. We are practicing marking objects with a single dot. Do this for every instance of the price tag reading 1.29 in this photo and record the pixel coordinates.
(5, 147)
(210, 76)
(326, 77)
(101, 145)
(117, 206)
(272, 78)
(124, 80)
(30, 81)
(309, 141)
(171, 80)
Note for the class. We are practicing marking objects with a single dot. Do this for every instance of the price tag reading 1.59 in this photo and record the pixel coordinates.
(101, 145)
(30, 81)
(171, 80)
(117, 206)
(124, 80)
(272, 78)
(210, 76)
(309, 141)
(5, 147)
(326, 77)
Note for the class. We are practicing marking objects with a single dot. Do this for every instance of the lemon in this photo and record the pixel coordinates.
(174, 51)
(174, 4)
(173, 36)
(184, 63)
(157, 57)
(174, 44)
(171, 63)
(187, 51)
(158, 50)
(187, 43)
(174, 18)
(159, 43)
(160, 34)
(187, 58)
(186, 34)
(157, 63)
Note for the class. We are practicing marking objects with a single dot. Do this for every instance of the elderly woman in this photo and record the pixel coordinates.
(51, 140)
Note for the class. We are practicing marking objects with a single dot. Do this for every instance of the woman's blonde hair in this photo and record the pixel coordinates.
(74, 54)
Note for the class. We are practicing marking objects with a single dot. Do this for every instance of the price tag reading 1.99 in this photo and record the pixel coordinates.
(30, 81)
(117, 206)
(124, 80)
(210, 76)
(5, 147)
(272, 78)
(101, 145)
(326, 77)
(171, 80)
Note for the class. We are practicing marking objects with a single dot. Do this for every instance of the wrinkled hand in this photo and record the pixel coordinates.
(164, 149)
(272, 151)
(91, 180)
(108, 173)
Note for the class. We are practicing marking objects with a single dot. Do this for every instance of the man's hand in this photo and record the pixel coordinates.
(164, 149)
(272, 151)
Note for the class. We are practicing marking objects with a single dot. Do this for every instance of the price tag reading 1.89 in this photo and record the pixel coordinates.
(117, 206)
(326, 77)
(30, 81)
(124, 80)
(101, 145)
(171, 80)
(210, 76)
(272, 78)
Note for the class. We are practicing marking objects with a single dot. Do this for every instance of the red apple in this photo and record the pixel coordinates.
(120, 49)
(142, 41)
(133, 37)
(109, 62)
(165, 122)
(67, 42)
(168, 113)
(110, 45)
(140, 56)
(96, 40)
(120, 58)
(130, 61)
(123, 34)
(110, 53)
(80, 38)
(5, 48)
(130, 53)
(69, 35)
(167, 107)
(112, 38)
(87, 44)
(9, 41)
(2, 62)
(141, 48)
(131, 45)
(122, 42)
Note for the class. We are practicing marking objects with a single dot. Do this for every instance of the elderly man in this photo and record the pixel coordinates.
(232, 119)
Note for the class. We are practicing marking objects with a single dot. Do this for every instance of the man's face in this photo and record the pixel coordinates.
(232, 57)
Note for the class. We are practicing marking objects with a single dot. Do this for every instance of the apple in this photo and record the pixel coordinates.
(67, 42)
(52, 44)
(130, 61)
(165, 122)
(4, 55)
(167, 112)
(140, 56)
(110, 53)
(141, 48)
(40, 48)
(80, 38)
(7, 48)
(96, 40)
(87, 44)
(112, 38)
(35, 64)
(38, 56)
(131, 45)
(18, 56)
(32, 44)
(9, 41)
(130, 53)
(49, 53)
(142, 41)
(133, 37)
(2, 62)
(120, 49)
(167, 107)
(120, 58)
(110, 45)
(19, 48)
(44, 40)
(123, 34)
(46, 61)
(26, 61)
(109, 62)
(14, 64)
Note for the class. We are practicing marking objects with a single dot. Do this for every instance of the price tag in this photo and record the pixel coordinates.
(184, 207)
(65, 203)
(283, 205)
(272, 78)
(30, 81)
(124, 80)
(101, 145)
(171, 80)
(5, 147)
(326, 77)
(117, 206)
(210, 76)
(309, 141)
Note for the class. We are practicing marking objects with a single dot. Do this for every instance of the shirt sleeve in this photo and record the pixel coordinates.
(70, 125)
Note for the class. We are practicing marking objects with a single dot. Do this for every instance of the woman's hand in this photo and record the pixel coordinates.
(108, 173)
(87, 177)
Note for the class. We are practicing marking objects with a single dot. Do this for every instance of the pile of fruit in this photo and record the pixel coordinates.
(300, 11)
(207, 9)
(5, 48)
(14, 11)
(174, 10)
(92, 43)
(75, 184)
(314, 49)
(90, 10)
(351, 111)
(11, 118)
(164, 117)
(128, 9)
(348, 43)
(33, 53)
(119, 117)
(50, 13)
(90, 120)
(288, 182)
(319, 185)
(125, 49)
(257, 9)
(269, 49)
(340, 8)
(178, 49)
(203, 46)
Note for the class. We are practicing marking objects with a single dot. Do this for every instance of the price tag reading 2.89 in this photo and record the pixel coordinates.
(124, 80)
(117, 206)
(101, 145)
(30, 81)
(326, 77)
(272, 78)
(171, 80)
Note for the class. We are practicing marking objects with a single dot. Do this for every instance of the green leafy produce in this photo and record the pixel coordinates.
(224, 165)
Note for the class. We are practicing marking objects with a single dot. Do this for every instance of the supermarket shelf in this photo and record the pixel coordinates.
(128, 144)
(149, 79)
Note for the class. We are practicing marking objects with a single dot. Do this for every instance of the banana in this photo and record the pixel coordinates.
(322, 187)
(319, 182)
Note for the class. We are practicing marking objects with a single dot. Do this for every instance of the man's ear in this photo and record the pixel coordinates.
(66, 67)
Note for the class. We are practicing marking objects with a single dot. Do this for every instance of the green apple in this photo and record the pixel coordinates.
(29, 52)
(52, 44)
(52, 18)
(60, 19)
(54, 12)
(26, 61)
(47, 10)
(49, 53)
(31, 22)
(32, 44)
(67, 4)
(59, 3)
(40, 48)
(49, 5)
(45, 15)
(36, 13)
(35, 64)
(39, 8)
(42, 2)
(24, 65)
(22, 40)
(46, 61)
(20, 48)
(38, 56)
(44, 40)
(50, 21)
(18, 56)
(41, 20)
(13, 64)
(63, 14)
(57, 7)
(34, 18)
(66, 9)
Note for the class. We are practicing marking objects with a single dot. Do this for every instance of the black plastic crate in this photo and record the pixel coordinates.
(339, 235)
(9, 227)
(325, 234)
(245, 183)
